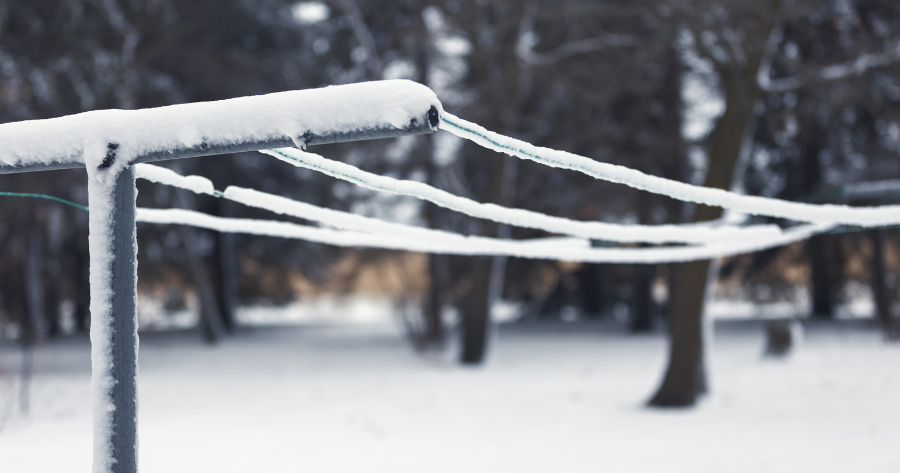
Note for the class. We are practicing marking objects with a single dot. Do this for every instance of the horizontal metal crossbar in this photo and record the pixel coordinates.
(353, 112)
(427, 124)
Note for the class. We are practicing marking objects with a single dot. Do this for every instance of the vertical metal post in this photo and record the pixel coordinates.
(115, 367)
(124, 323)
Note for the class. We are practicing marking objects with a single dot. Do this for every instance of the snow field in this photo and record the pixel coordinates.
(333, 398)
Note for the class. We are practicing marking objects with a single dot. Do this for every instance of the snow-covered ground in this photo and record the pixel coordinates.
(553, 398)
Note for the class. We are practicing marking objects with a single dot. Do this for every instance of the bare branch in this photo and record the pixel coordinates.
(764, 74)
(364, 36)
(737, 49)
(706, 44)
(82, 87)
(126, 29)
(860, 64)
(574, 48)
(830, 73)
(872, 189)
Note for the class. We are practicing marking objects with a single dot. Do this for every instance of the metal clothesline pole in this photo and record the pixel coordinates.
(122, 339)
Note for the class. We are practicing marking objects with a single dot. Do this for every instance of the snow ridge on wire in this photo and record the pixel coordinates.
(753, 205)
(161, 175)
(565, 249)
(335, 218)
(694, 234)
(350, 221)
(342, 220)
(360, 231)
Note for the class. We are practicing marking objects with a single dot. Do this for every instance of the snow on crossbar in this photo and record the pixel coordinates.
(304, 117)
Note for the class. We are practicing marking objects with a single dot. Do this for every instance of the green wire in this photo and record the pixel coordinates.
(44, 196)
(516, 150)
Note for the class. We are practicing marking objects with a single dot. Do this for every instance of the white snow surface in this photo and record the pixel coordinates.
(161, 175)
(279, 115)
(564, 249)
(331, 398)
(522, 217)
(748, 204)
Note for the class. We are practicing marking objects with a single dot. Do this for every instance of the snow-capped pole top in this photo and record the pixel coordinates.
(332, 114)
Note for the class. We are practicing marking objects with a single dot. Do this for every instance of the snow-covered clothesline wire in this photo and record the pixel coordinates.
(361, 231)
(285, 206)
(570, 249)
(753, 205)
(564, 249)
(353, 222)
(692, 233)
(373, 233)
(397, 236)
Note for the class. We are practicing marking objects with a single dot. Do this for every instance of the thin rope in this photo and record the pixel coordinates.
(748, 204)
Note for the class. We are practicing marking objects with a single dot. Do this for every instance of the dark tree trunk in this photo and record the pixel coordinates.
(685, 378)
(591, 287)
(476, 315)
(644, 274)
(643, 320)
(34, 285)
(82, 291)
(34, 310)
(477, 305)
(825, 275)
(438, 271)
(225, 278)
(434, 325)
(210, 313)
(879, 281)
(210, 316)
(55, 268)
(51, 308)
(488, 273)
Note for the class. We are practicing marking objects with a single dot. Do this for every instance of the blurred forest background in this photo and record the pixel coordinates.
(798, 100)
